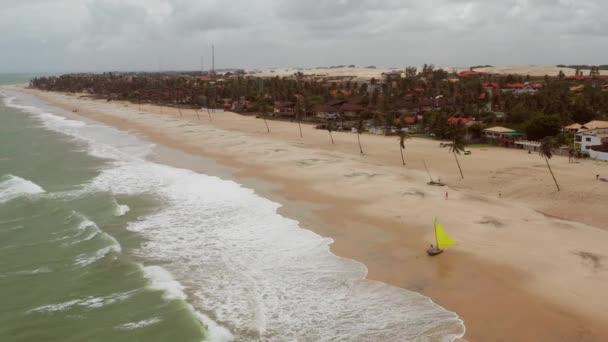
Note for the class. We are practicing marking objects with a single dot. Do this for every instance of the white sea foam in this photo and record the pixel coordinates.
(259, 273)
(139, 324)
(12, 187)
(87, 259)
(162, 280)
(121, 209)
(255, 272)
(89, 302)
(84, 260)
(28, 272)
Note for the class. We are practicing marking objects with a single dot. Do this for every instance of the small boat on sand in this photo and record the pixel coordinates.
(442, 240)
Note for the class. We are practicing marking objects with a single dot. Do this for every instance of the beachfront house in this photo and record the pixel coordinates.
(327, 112)
(502, 136)
(284, 109)
(595, 124)
(573, 129)
(351, 110)
(593, 143)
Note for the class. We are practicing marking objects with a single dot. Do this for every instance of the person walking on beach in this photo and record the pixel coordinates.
(597, 177)
(446, 195)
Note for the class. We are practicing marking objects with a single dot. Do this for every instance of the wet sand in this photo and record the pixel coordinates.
(531, 265)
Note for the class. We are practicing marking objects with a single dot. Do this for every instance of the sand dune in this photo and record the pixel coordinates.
(368, 73)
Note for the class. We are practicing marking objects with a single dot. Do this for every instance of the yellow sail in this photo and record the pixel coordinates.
(443, 240)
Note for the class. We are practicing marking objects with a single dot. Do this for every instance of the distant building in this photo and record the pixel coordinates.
(593, 143)
(502, 136)
(327, 112)
(351, 110)
(388, 77)
(595, 124)
(456, 120)
(574, 128)
(285, 109)
(468, 73)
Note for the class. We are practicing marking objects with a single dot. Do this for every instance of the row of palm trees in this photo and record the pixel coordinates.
(383, 102)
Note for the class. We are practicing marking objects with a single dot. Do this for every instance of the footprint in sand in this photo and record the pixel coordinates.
(413, 192)
(488, 220)
(591, 260)
(363, 174)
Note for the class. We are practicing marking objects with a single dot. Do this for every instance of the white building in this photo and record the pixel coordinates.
(585, 140)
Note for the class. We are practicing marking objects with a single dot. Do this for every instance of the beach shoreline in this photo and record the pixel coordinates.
(353, 200)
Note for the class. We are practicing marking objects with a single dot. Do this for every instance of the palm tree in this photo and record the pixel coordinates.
(299, 117)
(458, 147)
(359, 131)
(546, 151)
(329, 129)
(402, 137)
(265, 110)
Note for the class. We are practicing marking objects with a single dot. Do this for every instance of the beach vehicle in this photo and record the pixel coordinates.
(442, 240)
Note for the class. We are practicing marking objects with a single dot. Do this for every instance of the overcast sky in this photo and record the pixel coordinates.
(99, 35)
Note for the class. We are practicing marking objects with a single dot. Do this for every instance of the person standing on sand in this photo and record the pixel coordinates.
(597, 177)
(446, 195)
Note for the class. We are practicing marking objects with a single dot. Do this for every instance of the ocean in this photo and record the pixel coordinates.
(99, 243)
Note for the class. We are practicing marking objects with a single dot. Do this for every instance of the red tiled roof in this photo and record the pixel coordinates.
(471, 73)
(482, 96)
(577, 89)
(410, 120)
(578, 78)
(454, 120)
(284, 104)
(515, 85)
(492, 85)
(351, 107)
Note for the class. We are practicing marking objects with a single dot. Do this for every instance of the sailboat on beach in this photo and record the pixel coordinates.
(442, 240)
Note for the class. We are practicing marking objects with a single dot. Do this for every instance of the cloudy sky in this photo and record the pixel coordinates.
(99, 35)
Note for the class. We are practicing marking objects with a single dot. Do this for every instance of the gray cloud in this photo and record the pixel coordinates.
(73, 35)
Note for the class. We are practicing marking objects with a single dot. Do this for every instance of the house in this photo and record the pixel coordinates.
(595, 124)
(531, 146)
(455, 120)
(388, 77)
(284, 109)
(351, 110)
(468, 73)
(502, 136)
(593, 143)
(327, 112)
(521, 88)
(577, 89)
(574, 128)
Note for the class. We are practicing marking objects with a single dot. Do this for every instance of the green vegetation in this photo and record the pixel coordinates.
(537, 106)
(543, 126)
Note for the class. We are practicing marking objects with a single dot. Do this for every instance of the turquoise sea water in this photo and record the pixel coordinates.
(97, 243)
(65, 269)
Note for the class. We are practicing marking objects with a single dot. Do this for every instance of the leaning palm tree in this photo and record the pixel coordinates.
(299, 118)
(546, 151)
(329, 129)
(458, 147)
(265, 110)
(359, 131)
(402, 137)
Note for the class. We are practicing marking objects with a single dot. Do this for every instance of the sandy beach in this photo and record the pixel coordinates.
(531, 264)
